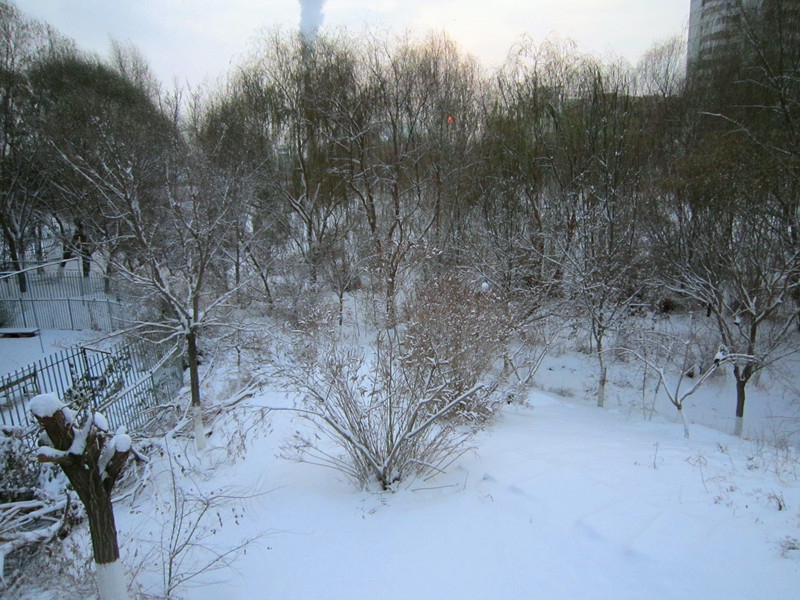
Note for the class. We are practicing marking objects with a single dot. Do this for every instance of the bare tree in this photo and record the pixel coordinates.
(601, 176)
(300, 79)
(733, 257)
(661, 70)
(239, 134)
(413, 101)
(90, 110)
(175, 215)
(520, 222)
(672, 359)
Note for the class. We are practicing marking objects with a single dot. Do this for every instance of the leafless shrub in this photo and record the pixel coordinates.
(457, 330)
(386, 420)
(298, 302)
(182, 547)
(789, 546)
(562, 391)
(774, 453)
(532, 342)
(18, 474)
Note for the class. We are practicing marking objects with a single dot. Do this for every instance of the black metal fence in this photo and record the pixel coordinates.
(125, 383)
(60, 300)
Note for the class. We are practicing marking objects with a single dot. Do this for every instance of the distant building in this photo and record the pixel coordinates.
(712, 29)
(722, 33)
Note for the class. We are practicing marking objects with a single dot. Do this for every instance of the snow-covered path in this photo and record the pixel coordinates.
(562, 500)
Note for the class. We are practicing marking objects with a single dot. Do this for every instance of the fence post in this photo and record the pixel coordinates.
(69, 309)
(38, 326)
(87, 373)
(22, 310)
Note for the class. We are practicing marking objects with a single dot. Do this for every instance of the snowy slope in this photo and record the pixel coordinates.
(16, 353)
(559, 499)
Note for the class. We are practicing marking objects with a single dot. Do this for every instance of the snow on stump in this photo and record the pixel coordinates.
(92, 459)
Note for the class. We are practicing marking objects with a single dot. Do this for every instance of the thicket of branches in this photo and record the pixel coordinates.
(329, 165)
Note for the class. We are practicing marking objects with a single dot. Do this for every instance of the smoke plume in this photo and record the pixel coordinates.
(310, 17)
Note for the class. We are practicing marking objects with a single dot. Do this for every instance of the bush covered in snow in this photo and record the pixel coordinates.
(18, 475)
(456, 331)
(385, 416)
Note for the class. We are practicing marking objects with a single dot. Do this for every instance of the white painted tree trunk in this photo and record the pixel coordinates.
(199, 430)
(684, 422)
(601, 388)
(111, 581)
(738, 427)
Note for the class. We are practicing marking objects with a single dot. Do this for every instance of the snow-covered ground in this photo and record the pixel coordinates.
(16, 353)
(557, 499)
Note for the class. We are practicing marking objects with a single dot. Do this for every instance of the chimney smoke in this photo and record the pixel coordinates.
(310, 17)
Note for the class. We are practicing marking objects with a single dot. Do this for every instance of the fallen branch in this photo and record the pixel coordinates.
(16, 519)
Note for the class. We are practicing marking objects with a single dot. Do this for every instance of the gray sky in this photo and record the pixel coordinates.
(196, 40)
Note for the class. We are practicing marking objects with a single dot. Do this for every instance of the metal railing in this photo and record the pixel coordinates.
(124, 382)
(60, 300)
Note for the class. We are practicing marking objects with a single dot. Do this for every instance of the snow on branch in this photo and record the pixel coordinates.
(77, 445)
(392, 421)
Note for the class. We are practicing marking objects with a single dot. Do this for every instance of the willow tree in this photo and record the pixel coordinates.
(23, 167)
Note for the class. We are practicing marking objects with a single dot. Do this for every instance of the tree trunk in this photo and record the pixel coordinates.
(738, 427)
(684, 422)
(22, 279)
(96, 499)
(107, 278)
(17, 265)
(194, 386)
(194, 375)
(101, 521)
(86, 264)
(742, 375)
(196, 413)
(390, 298)
(94, 489)
(601, 390)
(740, 399)
(39, 248)
(267, 293)
(313, 252)
(109, 575)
